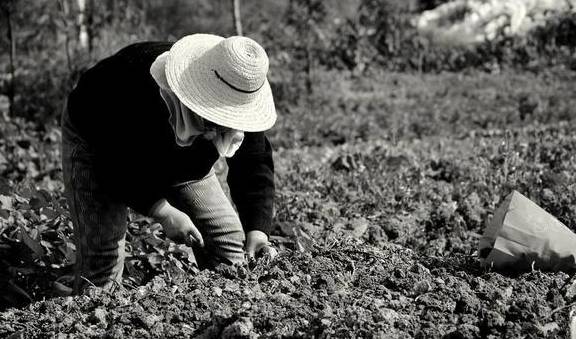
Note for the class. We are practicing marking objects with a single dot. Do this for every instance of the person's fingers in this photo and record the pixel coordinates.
(195, 237)
(178, 236)
(180, 228)
(250, 248)
(253, 246)
(189, 232)
(269, 251)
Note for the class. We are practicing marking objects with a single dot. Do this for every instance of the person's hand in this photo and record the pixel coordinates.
(257, 244)
(176, 224)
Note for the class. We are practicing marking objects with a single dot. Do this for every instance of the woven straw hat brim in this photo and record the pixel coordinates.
(190, 71)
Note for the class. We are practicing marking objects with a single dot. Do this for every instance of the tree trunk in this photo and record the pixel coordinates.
(65, 11)
(309, 48)
(82, 21)
(12, 57)
(236, 16)
(144, 9)
(309, 67)
(112, 8)
(89, 17)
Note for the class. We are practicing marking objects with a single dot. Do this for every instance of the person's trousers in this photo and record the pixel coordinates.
(100, 220)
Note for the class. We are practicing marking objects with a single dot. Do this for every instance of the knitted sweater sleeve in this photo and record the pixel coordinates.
(251, 181)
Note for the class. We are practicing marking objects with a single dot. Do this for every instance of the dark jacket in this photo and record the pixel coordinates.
(117, 108)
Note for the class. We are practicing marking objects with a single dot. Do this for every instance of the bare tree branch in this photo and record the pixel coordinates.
(81, 19)
(237, 17)
(8, 10)
(64, 11)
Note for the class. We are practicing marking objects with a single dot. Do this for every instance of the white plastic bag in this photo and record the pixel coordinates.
(521, 236)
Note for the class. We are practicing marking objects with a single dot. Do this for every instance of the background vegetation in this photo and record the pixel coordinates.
(53, 41)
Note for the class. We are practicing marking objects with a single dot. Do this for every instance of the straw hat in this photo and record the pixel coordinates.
(223, 80)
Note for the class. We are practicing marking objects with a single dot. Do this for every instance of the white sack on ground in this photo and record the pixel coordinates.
(521, 236)
(474, 21)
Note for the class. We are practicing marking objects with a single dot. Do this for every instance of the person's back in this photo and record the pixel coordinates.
(117, 92)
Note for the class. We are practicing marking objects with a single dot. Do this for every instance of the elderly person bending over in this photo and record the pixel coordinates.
(143, 129)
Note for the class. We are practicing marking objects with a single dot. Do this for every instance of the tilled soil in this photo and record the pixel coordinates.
(347, 289)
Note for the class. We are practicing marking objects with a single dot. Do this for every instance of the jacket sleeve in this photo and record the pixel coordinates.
(251, 181)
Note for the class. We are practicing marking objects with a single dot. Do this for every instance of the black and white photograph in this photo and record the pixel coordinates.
(288, 169)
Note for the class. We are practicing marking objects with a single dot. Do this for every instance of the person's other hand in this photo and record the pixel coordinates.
(257, 244)
(176, 224)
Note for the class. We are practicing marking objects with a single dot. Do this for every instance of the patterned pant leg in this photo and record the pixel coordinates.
(212, 212)
(99, 221)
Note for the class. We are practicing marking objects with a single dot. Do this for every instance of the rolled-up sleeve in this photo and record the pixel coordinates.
(251, 181)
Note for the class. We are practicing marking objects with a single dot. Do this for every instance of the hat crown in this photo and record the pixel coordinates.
(222, 80)
(241, 63)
